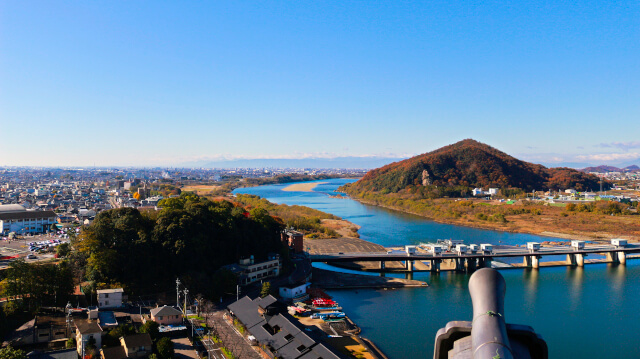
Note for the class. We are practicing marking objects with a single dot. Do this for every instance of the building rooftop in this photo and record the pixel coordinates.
(27, 214)
(88, 328)
(7, 208)
(108, 291)
(277, 331)
(58, 354)
(138, 340)
(165, 310)
(113, 353)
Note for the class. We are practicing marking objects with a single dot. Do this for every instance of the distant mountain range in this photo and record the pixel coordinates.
(470, 164)
(337, 162)
(604, 169)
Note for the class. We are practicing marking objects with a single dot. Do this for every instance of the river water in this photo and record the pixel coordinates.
(581, 313)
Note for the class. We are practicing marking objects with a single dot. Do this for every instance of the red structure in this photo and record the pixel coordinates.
(294, 240)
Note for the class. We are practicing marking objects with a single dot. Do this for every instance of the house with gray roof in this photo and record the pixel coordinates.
(276, 331)
(166, 315)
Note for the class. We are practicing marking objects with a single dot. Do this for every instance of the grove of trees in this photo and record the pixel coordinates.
(191, 238)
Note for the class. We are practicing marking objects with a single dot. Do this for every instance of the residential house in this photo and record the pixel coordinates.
(88, 333)
(295, 293)
(137, 345)
(110, 298)
(166, 315)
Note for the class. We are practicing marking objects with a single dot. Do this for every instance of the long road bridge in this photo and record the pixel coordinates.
(616, 252)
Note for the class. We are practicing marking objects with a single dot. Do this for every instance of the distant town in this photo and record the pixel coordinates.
(76, 195)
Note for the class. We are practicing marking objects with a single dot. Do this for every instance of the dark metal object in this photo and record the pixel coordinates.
(488, 336)
(487, 289)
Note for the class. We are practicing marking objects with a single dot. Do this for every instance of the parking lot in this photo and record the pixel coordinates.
(21, 248)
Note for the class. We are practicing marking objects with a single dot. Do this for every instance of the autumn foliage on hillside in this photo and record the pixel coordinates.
(455, 169)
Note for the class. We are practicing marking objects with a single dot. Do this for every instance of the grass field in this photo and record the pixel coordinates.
(199, 190)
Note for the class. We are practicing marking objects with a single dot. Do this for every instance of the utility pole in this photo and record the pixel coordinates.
(186, 292)
(178, 292)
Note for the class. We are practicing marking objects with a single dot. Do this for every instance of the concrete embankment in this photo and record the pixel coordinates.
(337, 280)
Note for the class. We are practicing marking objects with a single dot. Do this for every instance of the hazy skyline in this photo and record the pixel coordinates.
(150, 83)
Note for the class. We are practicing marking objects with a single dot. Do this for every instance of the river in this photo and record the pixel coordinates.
(581, 313)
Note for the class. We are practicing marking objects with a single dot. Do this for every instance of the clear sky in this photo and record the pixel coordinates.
(161, 83)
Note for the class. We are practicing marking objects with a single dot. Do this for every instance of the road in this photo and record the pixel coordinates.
(230, 337)
(496, 253)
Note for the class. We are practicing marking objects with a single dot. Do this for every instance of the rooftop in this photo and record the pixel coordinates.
(165, 310)
(113, 353)
(88, 328)
(137, 340)
(8, 208)
(108, 291)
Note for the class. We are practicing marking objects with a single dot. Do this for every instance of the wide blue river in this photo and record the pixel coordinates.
(581, 313)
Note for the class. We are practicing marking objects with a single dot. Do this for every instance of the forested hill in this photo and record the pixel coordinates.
(190, 238)
(456, 169)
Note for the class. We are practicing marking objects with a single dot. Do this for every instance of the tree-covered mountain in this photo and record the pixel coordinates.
(606, 169)
(455, 169)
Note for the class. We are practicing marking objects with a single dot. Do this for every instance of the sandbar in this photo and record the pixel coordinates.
(302, 187)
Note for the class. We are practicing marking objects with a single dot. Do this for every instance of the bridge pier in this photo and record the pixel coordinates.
(484, 262)
(383, 264)
(408, 265)
(571, 259)
(532, 261)
(408, 275)
(471, 265)
(613, 257)
(622, 258)
(576, 259)
(435, 265)
(580, 259)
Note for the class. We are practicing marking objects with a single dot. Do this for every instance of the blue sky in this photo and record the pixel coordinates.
(162, 83)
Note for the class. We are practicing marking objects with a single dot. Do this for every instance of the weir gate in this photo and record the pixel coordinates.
(461, 258)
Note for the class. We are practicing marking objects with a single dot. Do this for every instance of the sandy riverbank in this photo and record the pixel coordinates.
(302, 187)
(336, 280)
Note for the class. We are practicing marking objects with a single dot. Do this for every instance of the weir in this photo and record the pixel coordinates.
(469, 261)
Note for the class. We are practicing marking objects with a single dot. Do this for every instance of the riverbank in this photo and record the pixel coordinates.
(336, 280)
(302, 187)
(557, 225)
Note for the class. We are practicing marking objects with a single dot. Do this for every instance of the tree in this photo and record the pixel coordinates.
(90, 348)
(63, 250)
(266, 289)
(70, 343)
(10, 353)
(223, 281)
(165, 349)
(150, 327)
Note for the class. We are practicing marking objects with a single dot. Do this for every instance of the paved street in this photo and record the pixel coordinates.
(231, 338)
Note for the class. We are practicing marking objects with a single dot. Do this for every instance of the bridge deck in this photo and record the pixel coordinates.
(497, 253)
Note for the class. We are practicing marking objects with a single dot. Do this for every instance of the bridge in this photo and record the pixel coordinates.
(617, 252)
